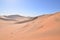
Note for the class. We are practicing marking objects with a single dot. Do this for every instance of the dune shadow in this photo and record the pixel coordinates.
(26, 20)
(7, 19)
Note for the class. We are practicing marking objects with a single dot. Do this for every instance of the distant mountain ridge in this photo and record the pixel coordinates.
(13, 16)
(17, 18)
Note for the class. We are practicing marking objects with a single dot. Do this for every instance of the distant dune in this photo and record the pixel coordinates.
(44, 27)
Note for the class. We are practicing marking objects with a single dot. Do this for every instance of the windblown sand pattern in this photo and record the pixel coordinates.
(45, 27)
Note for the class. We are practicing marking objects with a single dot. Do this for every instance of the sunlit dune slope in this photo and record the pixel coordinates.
(45, 27)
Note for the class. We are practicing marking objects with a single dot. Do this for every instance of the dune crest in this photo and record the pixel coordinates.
(45, 27)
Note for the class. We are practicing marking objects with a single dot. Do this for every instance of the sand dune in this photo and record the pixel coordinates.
(45, 27)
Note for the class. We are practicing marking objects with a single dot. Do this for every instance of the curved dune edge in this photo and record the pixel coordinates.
(45, 27)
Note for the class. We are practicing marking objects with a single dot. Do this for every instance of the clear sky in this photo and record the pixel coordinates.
(29, 7)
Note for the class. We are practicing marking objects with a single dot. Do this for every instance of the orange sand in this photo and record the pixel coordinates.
(45, 27)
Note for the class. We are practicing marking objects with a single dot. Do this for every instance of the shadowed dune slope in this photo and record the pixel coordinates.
(45, 27)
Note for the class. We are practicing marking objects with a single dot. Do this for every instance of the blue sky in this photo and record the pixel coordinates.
(29, 7)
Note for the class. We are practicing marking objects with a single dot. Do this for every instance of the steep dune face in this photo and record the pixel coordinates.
(45, 27)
